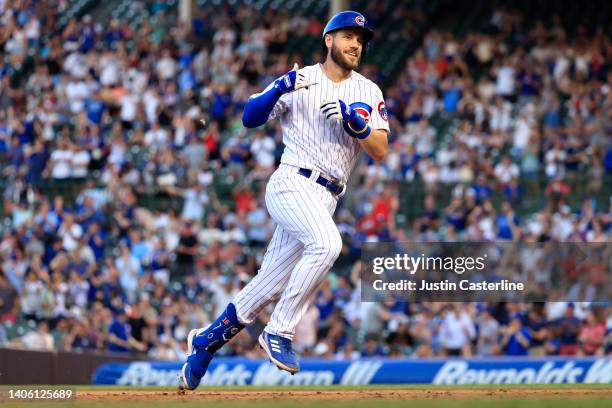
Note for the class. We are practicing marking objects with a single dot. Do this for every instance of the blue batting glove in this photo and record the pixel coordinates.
(354, 124)
(292, 81)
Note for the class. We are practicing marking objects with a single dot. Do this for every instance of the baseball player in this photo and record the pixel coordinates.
(328, 113)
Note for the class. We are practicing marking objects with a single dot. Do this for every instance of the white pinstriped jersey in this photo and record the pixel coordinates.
(316, 143)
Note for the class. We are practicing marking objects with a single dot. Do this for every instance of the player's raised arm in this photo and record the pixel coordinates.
(259, 106)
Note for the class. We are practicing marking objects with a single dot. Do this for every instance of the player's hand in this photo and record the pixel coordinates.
(354, 124)
(338, 110)
(292, 81)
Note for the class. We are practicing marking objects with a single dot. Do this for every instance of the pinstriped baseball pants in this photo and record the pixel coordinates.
(305, 245)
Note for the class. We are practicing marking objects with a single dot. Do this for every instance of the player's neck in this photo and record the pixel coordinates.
(334, 71)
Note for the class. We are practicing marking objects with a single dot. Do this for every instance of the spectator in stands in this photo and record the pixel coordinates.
(456, 331)
(508, 223)
(60, 162)
(538, 330)
(166, 349)
(371, 347)
(80, 338)
(481, 189)
(38, 339)
(505, 171)
(516, 338)
(187, 249)
(567, 329)
(430, 218)
(8, 296)
(592, 335)
(488, 334)
(120, 338)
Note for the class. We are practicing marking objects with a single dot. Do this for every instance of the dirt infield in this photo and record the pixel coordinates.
(344, 395)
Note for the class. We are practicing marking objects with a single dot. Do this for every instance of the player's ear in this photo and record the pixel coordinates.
(328, 40)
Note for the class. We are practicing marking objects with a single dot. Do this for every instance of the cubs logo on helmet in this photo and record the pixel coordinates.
(346, 19)
(363, 109)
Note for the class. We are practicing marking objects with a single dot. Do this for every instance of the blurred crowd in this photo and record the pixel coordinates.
(116, 111)
(526, 102)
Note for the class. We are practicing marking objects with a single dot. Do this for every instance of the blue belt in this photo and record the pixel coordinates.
(335, 188)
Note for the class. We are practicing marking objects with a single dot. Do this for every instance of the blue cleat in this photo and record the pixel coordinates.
(195, 367)
(203, 343)
(279, 351)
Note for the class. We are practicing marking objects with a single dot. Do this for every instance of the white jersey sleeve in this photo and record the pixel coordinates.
(379, 116)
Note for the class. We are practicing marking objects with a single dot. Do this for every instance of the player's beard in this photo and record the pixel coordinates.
(339, 58)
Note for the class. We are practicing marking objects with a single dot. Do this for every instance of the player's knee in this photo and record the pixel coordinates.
(332, 247)
(336, 245)
(246, 319)
(326, 251)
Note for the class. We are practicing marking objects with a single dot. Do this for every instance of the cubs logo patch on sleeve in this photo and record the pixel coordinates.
(382, 111)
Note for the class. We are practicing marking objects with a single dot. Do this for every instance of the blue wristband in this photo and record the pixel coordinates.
(364, 132)
(358, 127)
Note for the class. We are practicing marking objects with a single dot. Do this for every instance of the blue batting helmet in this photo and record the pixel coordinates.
(349, 19)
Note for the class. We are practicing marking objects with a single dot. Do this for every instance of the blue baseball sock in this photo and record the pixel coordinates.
(222, 330)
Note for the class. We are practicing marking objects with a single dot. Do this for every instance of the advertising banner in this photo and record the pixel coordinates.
(240, 371)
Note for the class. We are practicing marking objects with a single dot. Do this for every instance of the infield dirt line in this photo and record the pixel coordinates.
(391, 394)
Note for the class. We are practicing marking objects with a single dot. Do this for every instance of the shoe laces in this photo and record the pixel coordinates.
(286, 346)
